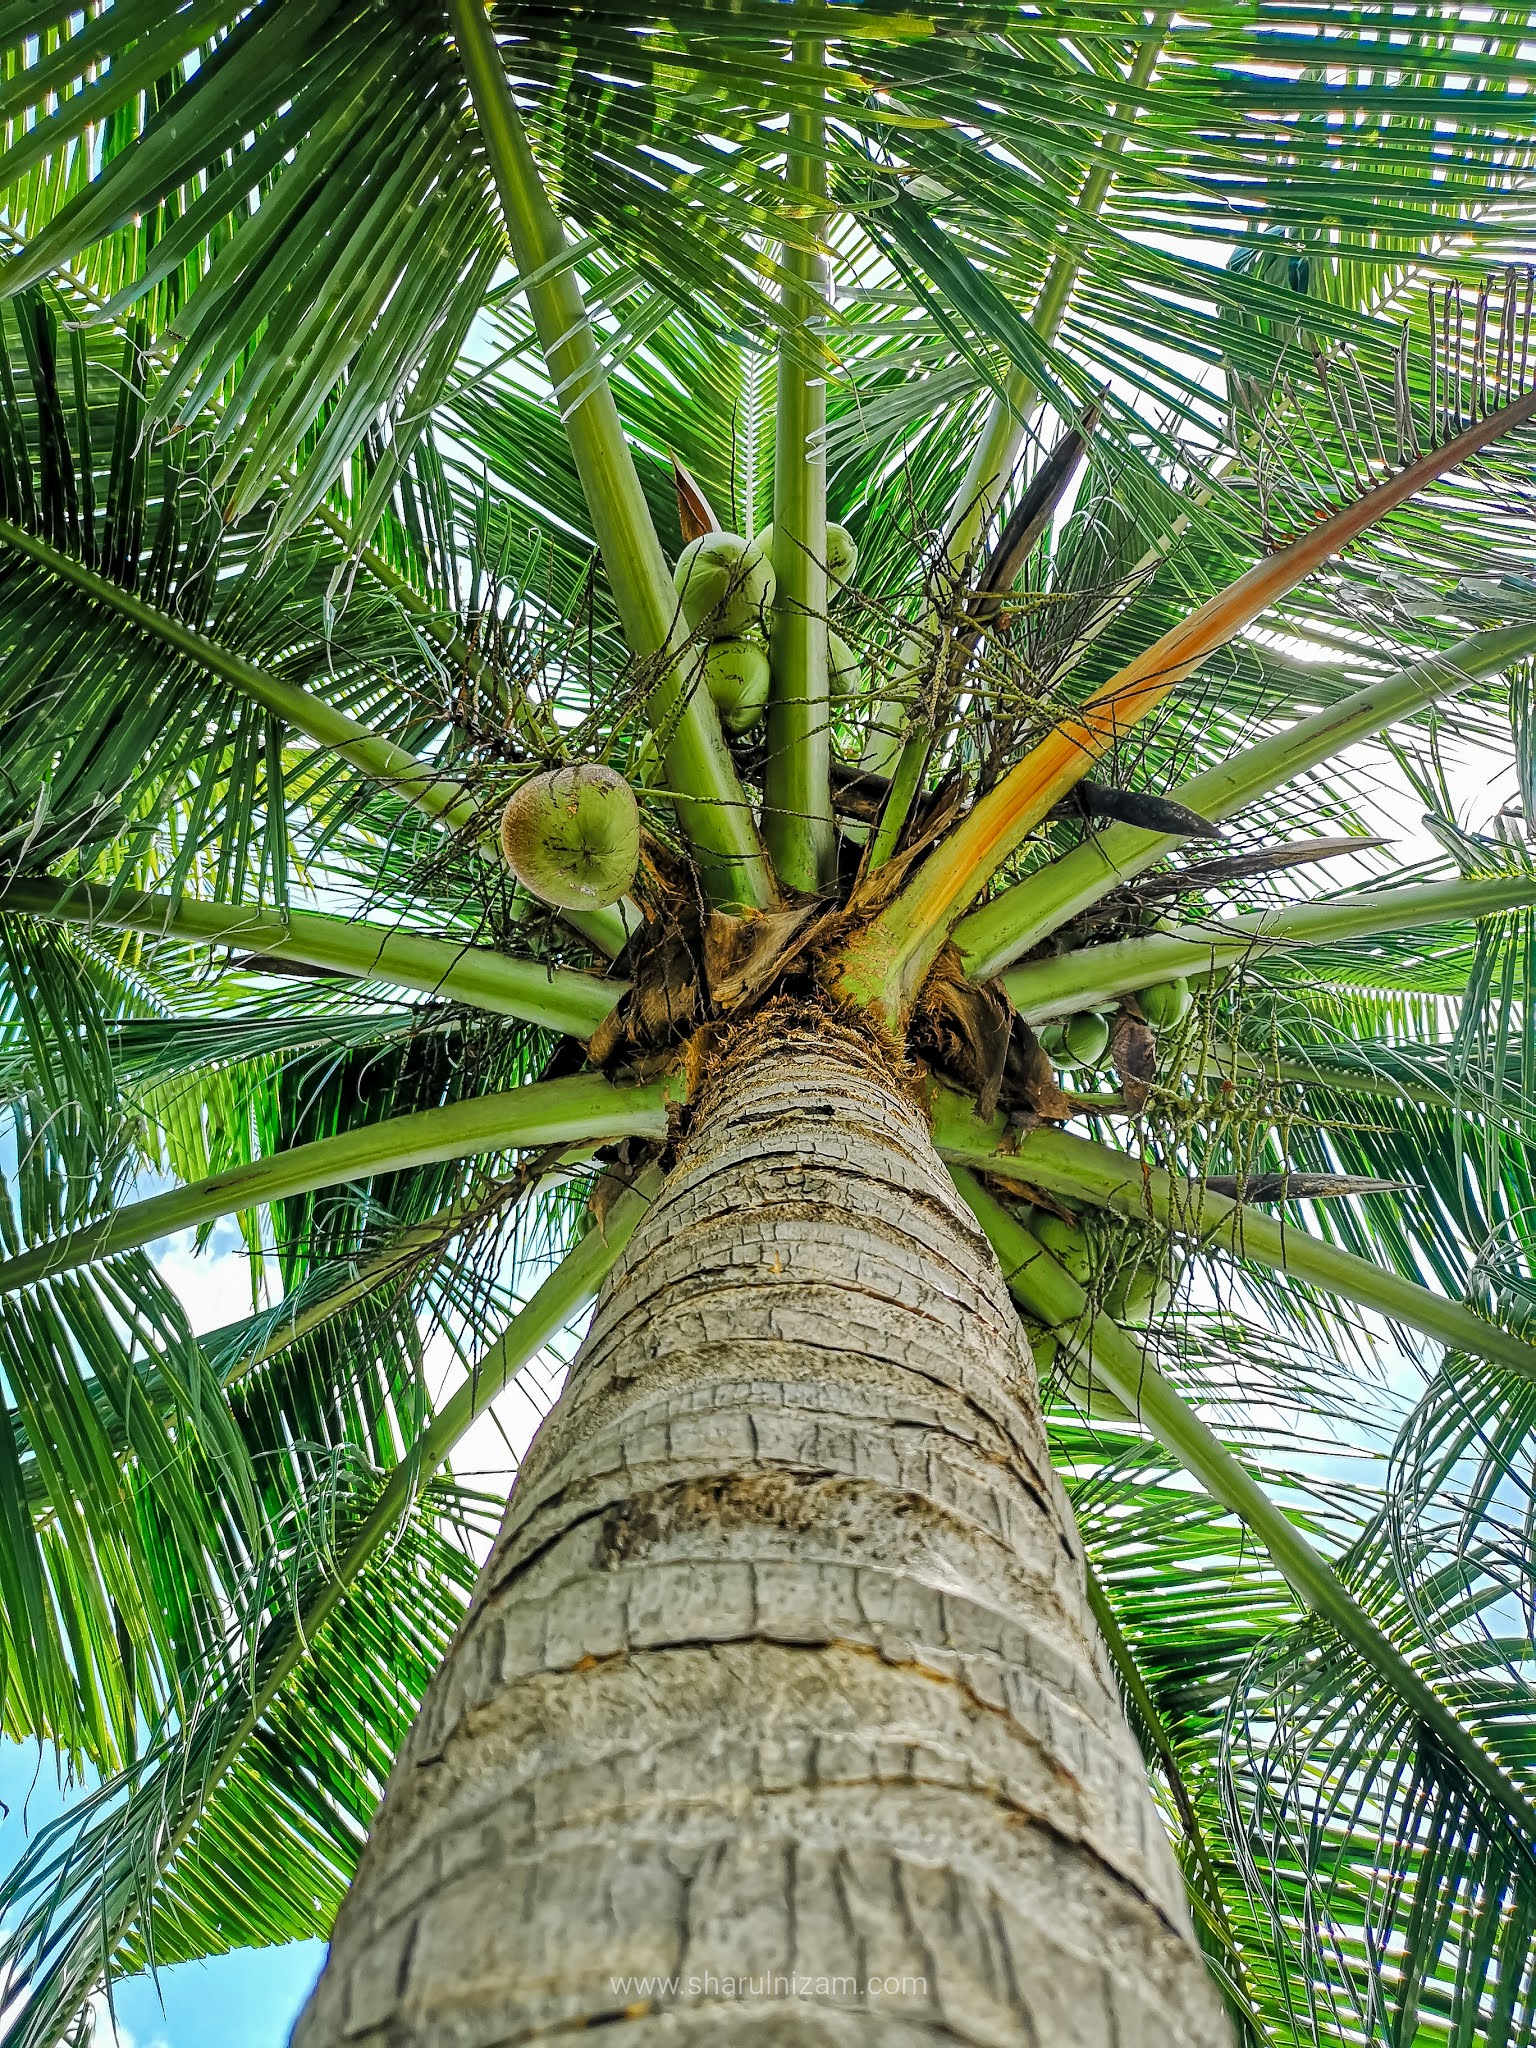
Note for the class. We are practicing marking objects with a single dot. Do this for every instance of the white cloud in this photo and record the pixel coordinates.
(214, 1285)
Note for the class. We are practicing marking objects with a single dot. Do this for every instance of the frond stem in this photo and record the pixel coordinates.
(1082, 1171)
(1020, 917)
(556, 997)
(712, 807)
(797, 785)
(583, 1109)
(1324, 1071)
(1093, 976)
(1046, 1291)
(886, 962)
(443, 798)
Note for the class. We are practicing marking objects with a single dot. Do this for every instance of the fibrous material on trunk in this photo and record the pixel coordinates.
(779, 1715)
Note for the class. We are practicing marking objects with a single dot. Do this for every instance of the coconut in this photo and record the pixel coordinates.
(572, 836)
(726, 584)
(1067, 1244)
(845, 672)
(1166, 1003)
(1087, 1038)
(842, 552)
(1218, 978)
(1044, 1345)
(736, 672)
(1139, 1294)
(1053, 1041)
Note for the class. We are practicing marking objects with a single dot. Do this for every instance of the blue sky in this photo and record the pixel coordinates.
(249, 1999)
(246, 2000)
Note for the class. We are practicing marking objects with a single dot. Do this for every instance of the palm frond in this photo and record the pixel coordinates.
(232, 1829)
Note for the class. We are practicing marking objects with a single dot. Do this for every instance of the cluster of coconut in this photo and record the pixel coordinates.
(725, 586)
(572, 835)
(1083, 1040)
(1139, 1293)
(1141, 1289)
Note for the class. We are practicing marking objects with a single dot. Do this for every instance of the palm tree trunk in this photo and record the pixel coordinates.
(779, 1716)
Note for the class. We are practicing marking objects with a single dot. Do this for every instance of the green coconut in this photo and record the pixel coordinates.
(736, 672)
(572, 836)
(1165, 1003)
(1044, 1345)
(1087, 1038)
(1218, 978)
(1067, 1244)
(842, 552)
(726, 584)
(1139, 1294)
(1089, 1395)
(1053, 1041)
(845, 672)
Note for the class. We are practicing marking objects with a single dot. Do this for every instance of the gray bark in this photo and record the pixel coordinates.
(782, 1669)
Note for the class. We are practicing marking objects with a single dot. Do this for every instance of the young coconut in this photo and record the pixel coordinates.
(1086, 1393)
(842, 553)
(845, 672)
(1086, 1038)
(1139, 1295)
(1165, 1003)
(1067, 1244)
(1044, 1345)
(726, 584)
(736, 672)
(572, 836)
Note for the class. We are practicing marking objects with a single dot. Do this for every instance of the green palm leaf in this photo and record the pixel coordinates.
(321, 533)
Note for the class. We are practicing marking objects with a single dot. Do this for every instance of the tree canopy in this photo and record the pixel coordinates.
(364, 372)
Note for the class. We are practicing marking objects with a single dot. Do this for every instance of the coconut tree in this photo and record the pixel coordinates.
(743, 665)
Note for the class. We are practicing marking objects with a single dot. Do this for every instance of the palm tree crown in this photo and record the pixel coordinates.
(529, 536)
